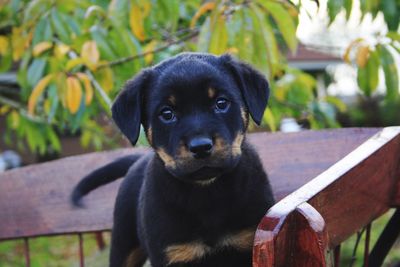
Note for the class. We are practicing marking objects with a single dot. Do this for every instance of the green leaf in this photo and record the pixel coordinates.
(53, 96)
(394, 36)
(35, 71)
(243, 36)
(219, 37)
(34, 8)
(118, 10)
(268, 118)
(204, 36)
(5, 61)
(285, 22)
(391, 73)
(265, 42)
(73, 25)
(368, 76)
(167, 13)
(334, 7)
(337, 102)
(99, 35)
(22, 76)
(391, 13)
(362, 80)
(59, 26)
(43, 31)
(39, 32)
(53, 138)
(348, 6)
(373, 70)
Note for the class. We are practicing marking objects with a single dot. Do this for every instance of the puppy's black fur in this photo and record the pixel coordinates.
(197, 198)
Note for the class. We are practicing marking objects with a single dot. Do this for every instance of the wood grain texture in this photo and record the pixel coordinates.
(396, 196)
(298, 239)
(34, 200)
(350, 194)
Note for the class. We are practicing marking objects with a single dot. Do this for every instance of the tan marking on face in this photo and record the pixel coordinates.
(183, 153)
(172, 100)
(242, 240)
(243, 113)
(150, 135)
(236, 145)
(219, 144)
(211, 92)
(166, 158)
(186, 252)
(136, 257)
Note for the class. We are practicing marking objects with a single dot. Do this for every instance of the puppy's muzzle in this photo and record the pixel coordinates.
(200, 147)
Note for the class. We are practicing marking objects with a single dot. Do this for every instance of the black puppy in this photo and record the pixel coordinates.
(197, 199)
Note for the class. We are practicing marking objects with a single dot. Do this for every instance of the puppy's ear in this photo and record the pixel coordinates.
(253, 86)
(127, 107)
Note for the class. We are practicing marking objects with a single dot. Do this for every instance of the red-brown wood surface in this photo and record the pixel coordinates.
(396, 197)
(348, 195)
(302, 234)
(34, 200)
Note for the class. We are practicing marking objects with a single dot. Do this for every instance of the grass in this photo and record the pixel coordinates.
(378, 225)
(63, 251)
(60, 251)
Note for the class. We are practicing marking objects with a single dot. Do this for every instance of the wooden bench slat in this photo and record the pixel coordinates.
(34, 200)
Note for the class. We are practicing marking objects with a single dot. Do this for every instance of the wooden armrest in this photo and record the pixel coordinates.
(321, 214)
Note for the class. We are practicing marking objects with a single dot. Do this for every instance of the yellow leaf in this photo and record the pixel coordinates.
(90, 54)
(37, 92)
(4, 109)
(219, 37)
(148, 48)
(146, 9)
(40, 48)
(73, 94)
(73, 63)
(88, 87)
(362, 56)
(269, 119)
(14, 119)
(61, 84)
(136, 19)
(18, 42)
(203, 9)
(3, 44)
(232, 50)
(60, 50)
(105, 78)
(346, 56)
(47, 106)
(280, 93)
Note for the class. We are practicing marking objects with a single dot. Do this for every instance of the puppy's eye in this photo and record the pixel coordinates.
(167, 115)
(221, 104)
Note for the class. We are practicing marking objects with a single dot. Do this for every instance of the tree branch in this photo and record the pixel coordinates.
(22, 110)
(161, 48)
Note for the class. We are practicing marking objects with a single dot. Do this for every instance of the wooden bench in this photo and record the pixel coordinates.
(329, 184)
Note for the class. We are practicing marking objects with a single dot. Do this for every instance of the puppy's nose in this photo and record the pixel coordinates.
(200, 147)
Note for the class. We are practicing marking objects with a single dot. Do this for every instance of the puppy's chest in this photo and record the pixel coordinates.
(199, 248)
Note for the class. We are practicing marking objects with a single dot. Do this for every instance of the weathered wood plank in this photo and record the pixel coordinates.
(34, 199)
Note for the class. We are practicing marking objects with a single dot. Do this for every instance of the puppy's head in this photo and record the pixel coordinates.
(194, 108)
